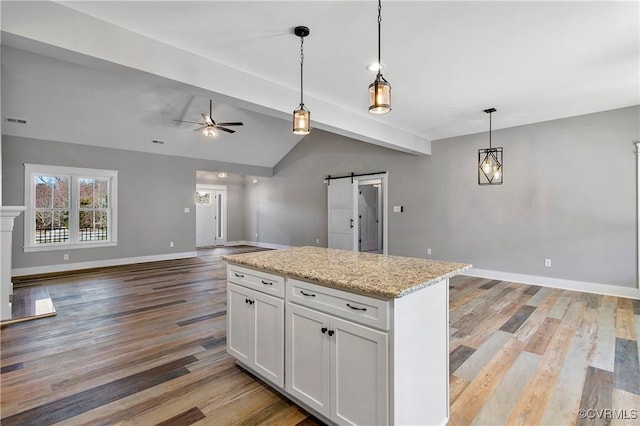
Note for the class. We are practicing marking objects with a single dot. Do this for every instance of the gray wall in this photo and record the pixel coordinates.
(569, 195)
(153, 191)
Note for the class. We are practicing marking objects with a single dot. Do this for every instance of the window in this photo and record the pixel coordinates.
(69, 207)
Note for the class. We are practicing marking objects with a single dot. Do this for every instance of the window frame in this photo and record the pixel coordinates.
(74, 174)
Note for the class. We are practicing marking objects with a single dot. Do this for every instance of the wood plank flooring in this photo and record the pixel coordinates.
(145, 344)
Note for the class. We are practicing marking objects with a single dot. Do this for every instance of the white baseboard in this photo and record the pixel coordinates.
(259, 244)
(64, 267)
(584, 286)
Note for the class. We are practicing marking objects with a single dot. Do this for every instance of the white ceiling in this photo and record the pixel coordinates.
(446, 60)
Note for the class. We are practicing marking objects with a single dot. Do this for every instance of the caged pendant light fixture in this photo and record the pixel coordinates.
(380, 89)
(301, 116)
(490, 161)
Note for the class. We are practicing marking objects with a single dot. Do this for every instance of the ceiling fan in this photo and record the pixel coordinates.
(209, 127)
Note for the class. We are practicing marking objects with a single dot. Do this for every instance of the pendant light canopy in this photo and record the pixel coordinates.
(301, 116)
(380, 89)
(490, 161)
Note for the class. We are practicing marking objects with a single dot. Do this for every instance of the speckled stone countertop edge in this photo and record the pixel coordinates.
(378, 292)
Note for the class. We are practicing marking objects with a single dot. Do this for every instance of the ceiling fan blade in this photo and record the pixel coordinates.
(208, 120)
(190, 122)
(225, 129)
(233, 123)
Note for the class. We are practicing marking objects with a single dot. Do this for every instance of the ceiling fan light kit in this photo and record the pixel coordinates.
(301, 116)
(380, 89)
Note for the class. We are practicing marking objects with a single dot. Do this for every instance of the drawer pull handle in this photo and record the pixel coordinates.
(307, 294)
(323, 329)
(238, 275)
(249, 301)
(331, 332)
(266, 282)
(356, 308)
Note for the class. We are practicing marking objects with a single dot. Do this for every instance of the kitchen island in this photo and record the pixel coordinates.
(354, 338)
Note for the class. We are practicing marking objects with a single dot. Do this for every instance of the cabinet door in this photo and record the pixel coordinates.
(240, 333)
(359, 371)
(268, 323)
(307, 361)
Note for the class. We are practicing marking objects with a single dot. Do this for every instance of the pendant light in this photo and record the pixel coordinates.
(301, 116)
(490, 161)
(380, 89)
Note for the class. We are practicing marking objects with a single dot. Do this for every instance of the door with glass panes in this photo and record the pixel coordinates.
(211, 217)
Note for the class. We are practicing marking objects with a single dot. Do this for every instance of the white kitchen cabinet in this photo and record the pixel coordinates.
(337, 367)
(255, 331)
(348, 357)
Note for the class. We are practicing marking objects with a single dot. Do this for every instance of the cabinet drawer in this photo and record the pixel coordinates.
(361, 309)
(257, 280)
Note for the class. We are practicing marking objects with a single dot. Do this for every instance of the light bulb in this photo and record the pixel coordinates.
(486, 166)
(496, 173)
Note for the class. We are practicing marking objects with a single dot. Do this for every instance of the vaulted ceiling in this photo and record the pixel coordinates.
(118, 74)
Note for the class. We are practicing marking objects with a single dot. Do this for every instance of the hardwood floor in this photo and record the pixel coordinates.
(145, 344)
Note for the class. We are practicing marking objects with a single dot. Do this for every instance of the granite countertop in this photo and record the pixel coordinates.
(366, 273)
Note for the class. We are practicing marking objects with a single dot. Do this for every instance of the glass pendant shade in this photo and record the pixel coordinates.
(490, 166)
(302, 121)
(379, 96)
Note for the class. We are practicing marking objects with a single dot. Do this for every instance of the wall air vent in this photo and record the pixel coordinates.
(15, 120)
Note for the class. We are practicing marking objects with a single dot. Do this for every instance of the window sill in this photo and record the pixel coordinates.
(53, 247)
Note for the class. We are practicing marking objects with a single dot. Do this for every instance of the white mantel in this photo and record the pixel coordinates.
(8, 214)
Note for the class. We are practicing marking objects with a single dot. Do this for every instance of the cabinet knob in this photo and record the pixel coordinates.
(330, 332)
(323, 329)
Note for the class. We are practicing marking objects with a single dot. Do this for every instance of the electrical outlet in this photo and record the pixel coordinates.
(65, 256)
(547, 263)
(186, 209)
(171, 244)
(428, 251)
(317, 240)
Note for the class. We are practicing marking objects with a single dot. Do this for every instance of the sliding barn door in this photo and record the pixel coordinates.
(341, 221)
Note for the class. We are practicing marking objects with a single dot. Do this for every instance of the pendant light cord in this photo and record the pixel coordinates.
(379, 29)
(490, 131)
(301, 68)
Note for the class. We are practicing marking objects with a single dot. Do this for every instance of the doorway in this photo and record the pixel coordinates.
(370, 216)
(356, 213)
(211, 215)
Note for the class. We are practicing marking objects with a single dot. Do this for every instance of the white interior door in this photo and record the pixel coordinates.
(211, 217)
(341, 217)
